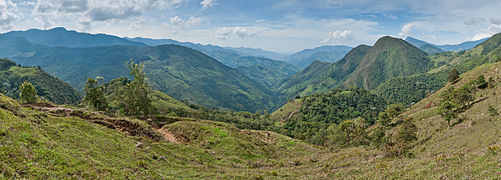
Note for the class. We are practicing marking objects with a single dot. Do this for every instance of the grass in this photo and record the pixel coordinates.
(35, 145)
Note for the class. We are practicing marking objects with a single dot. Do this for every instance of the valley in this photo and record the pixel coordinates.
(215, 89)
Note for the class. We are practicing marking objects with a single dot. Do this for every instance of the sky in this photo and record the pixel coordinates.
(277, 25)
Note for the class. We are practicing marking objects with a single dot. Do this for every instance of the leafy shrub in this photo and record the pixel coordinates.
(28, 93)
(481, 83)
(453, 76)
(493, 111)
(94, 95)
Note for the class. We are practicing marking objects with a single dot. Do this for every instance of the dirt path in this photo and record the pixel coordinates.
(168, 136)
(125, 125)
(290, 116)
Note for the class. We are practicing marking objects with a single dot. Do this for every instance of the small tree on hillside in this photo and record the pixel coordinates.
(453, 76)
(481, 83)
(94, 95)
(135, 97)
(447, 111)
(28, 93)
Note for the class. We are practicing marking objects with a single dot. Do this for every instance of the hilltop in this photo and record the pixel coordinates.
(49, 87)
(319, 76)
(389, 58)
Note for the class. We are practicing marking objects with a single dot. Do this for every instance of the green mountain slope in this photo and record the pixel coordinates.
(307, 118)
(320, 77)
(181, 72)
(430, 49)
(264, 76)
(390, 57)
(48, 87)
(411, 89)
(244, 58)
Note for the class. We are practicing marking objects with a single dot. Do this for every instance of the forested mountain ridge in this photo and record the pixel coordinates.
(388, 58)
(181, 72)
(48, 87)
(412, 89)
(322, 76)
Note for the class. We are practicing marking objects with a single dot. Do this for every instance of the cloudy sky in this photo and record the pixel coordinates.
(277, 25)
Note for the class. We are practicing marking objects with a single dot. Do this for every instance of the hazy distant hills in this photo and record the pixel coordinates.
(60, 37)
(251, 62)
(432, 48)
(181, 72)
(323, 54)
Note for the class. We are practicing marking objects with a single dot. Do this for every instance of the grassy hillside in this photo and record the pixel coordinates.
(389, 58)
(194, 148)
(48, 87)
(38, 144)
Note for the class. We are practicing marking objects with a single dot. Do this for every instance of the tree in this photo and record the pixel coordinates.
(135, 97)
(481, 83)
(94, 94)
(453, 76)
(28, 93)
(447, 111)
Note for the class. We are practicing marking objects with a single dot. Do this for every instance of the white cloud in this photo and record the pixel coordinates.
(7, 14)
(406, 30)
(99, 10)
(474, 21)
(176, 21)
(338, 36)
(479, 36)
(491, 30)
(237, 31)
(207, 3)
(189, 23)
(495, 20)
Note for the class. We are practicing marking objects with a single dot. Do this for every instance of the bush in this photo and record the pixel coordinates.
(493, 111)
(453, 76)
(481, 83)
(401, 140)
(94, 95)
(28, 93)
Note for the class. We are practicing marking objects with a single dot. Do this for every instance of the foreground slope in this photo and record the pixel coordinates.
(37, 144)
(84, 144)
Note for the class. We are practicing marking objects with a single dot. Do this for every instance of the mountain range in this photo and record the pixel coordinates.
(214, 76)
(305, 57)
(433, 49)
